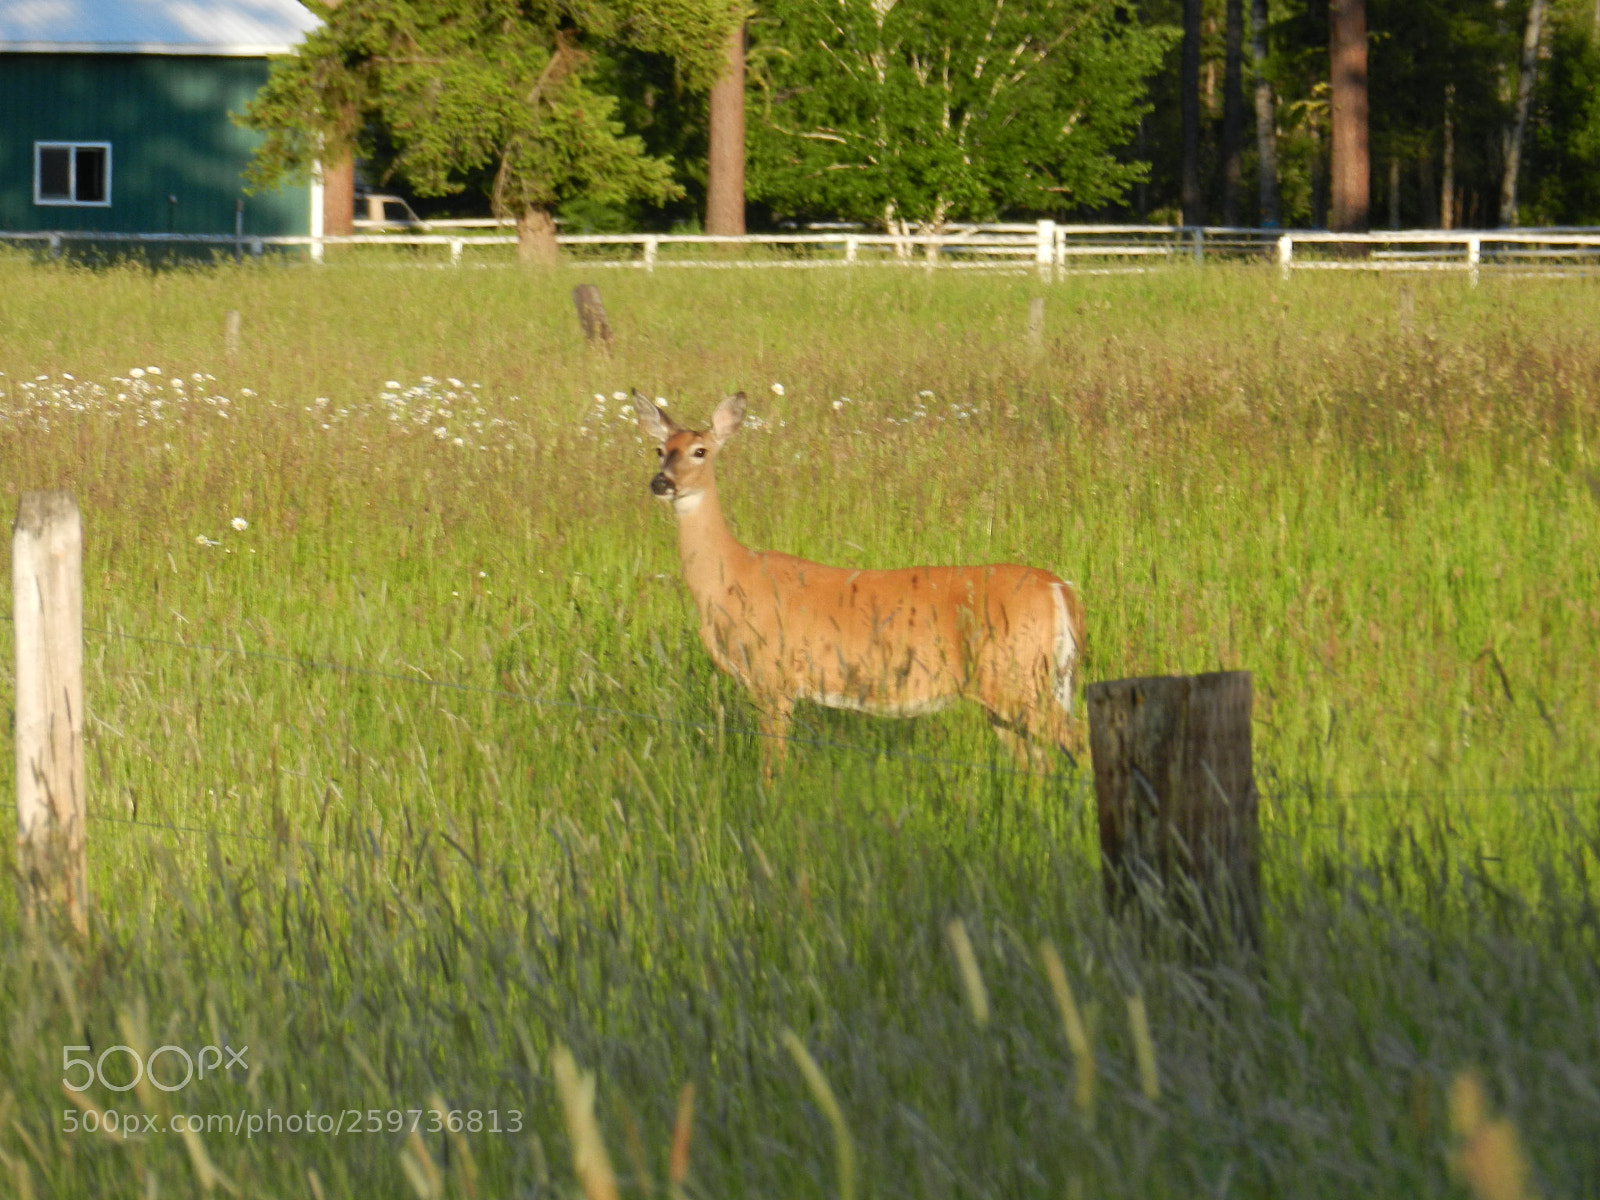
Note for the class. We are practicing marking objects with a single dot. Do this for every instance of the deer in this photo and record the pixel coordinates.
(899, 643)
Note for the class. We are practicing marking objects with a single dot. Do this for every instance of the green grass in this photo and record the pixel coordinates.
(414, 890)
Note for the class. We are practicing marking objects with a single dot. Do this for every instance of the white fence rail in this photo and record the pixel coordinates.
(1044, 246)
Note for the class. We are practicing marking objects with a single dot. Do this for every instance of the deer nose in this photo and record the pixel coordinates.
(662, 486)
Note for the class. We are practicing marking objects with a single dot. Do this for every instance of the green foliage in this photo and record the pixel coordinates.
(930, 110)
(495, 93)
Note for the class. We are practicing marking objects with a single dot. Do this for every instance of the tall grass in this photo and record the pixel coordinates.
(406, 890)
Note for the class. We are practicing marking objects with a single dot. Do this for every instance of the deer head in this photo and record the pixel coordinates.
(687, 454)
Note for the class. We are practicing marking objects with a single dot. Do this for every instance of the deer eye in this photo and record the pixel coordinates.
(660, 453)
(699, 451)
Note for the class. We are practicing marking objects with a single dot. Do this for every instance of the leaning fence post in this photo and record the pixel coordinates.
(1285, 254)
(47, 607)
(1177, 799)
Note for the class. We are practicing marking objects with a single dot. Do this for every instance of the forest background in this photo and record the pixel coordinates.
(721, 115)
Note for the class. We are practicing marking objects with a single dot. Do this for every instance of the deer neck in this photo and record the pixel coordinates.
(705, 545)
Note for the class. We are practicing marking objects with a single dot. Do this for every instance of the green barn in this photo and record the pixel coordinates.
(114, 115)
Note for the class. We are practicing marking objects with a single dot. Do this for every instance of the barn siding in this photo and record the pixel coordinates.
(166, 118)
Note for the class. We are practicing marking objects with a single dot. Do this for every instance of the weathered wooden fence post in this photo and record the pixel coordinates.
(592, 314)
(47, 600)
(1177, 799)
(1036, 325)
(230, 335)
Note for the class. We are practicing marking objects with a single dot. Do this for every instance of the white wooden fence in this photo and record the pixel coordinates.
(1045, 246)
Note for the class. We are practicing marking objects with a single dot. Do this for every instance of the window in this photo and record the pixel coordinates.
(72, 173)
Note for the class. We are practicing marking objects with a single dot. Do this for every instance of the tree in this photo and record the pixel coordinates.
(725, 159)
(1233, 112)
(1189, 102)
(1266, 116)
(495, 94)
(923, 111)
(1516, 127)
(1352, 187)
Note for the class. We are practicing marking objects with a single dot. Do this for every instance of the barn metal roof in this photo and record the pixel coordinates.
(236, 28)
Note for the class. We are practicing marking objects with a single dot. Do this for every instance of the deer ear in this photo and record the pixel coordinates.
(728, 417)
(651, 419)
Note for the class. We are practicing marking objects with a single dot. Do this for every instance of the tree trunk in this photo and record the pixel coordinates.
(725, 183)
(536, 239)
(1352, 181)
(1232, 111)
(1527, 69)
(1447, 193)
(339, 196)
(1189, 101)
(1266, 117)
(1394, 191)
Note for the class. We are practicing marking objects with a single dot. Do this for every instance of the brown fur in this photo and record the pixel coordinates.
(893, 642)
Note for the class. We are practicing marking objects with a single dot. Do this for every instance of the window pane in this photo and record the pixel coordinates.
(91, 175)
(55, 173)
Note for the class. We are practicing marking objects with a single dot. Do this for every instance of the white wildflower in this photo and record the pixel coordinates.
(240, 524)
(838, 405)
(777, 389)
(441, 432)
(619, 395)
(392, 384)
(152, 370)
(453, 381)
(458, 441)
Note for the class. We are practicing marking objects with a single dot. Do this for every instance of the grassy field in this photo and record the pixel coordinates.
(527, 814)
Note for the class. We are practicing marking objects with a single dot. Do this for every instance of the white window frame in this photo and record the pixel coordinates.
(72, 174)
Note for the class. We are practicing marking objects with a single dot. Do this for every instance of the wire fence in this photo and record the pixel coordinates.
(421, 679)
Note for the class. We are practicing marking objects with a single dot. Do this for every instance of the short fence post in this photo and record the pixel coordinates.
(1177, 799)
(1285, 254)
(1044, 249)
(455, 252)
(592, 314)
(1474, 257)
(47, 606)
(1199, 245)
(230, 335)
(55, 245)
(256, 247)
(850, 246)
(650, 245)
(1036, 325)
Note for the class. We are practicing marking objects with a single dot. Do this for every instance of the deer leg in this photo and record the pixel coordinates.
(775, 714)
